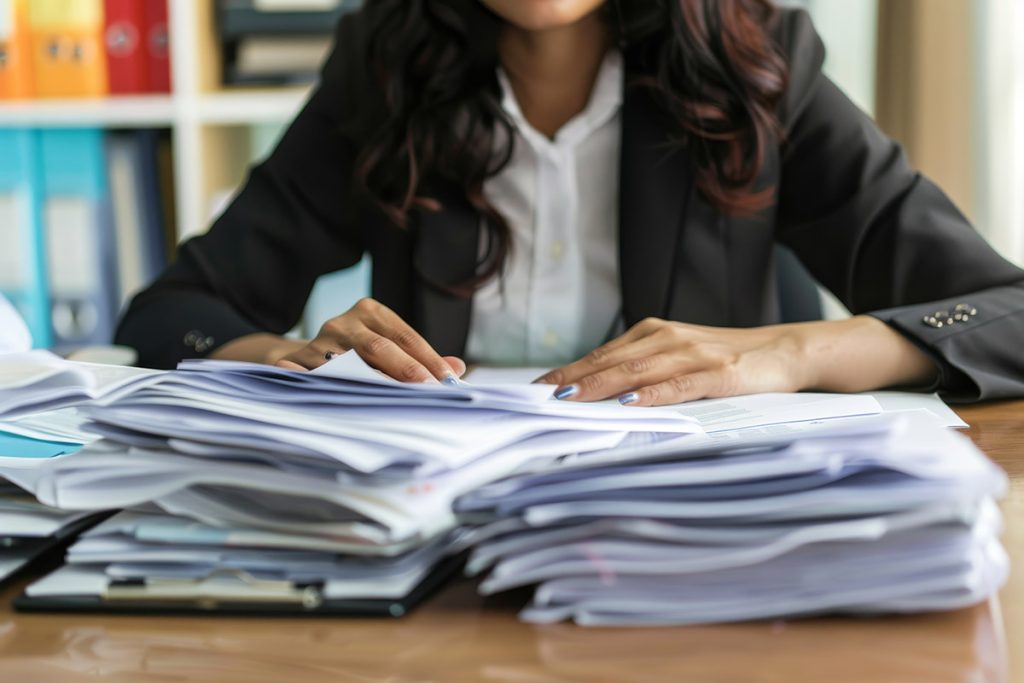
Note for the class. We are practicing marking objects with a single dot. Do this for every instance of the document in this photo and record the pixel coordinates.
(902, 574)
(246, 485)
(764, 410)
(38, 381)
(18, 446)
(346, 453)
(111, 568)
(29, 529)
(887, 513)
(21, 516)
(65, 425)
(510, 375)
(522, 540)
(905, 402)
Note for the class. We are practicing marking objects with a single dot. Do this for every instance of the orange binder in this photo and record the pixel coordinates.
(15, 51)
(68, 50)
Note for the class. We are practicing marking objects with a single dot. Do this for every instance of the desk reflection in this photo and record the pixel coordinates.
(460, 637)
(968, 646)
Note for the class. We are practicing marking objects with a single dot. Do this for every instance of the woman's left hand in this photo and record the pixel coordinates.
(658, 362)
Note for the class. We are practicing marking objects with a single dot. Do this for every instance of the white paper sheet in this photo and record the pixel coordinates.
(888, 401)
(38, 381)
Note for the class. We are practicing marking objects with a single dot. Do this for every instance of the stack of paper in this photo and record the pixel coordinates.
(29, 529)
(357, 462)
(162, 560)
(37, 381)
(877, 514)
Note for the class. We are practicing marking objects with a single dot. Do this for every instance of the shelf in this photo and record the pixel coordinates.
(211, 139)
(270, 105)
(130, 111)
(239, 107)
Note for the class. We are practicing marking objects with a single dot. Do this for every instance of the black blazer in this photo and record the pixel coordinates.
(881, 237)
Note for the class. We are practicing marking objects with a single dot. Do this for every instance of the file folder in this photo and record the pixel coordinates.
(234, 594)
(68, 51)
(79, 238)
(157, 46)
(124, 37)
(137, 208)
(15, 51)
(23, 277)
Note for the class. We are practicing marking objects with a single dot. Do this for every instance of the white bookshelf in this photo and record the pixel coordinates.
(144, 111)
(210, 124)
(248, 107)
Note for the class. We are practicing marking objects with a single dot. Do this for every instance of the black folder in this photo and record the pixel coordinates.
(316, 607)
(35, 551)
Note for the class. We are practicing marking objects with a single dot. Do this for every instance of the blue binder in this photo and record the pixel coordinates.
(137, 208)
(23, 276)
(79, 241)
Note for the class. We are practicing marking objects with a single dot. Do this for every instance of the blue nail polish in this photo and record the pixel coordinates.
(451, 380)
(566, 392)
(626, 399)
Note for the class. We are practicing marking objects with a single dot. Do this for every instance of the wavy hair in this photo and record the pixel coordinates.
(711, 65)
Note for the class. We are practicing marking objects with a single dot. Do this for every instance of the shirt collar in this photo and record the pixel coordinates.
(605, 101)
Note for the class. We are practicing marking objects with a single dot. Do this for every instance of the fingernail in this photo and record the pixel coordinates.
(626, 399)
(566, 392)
(451, 380)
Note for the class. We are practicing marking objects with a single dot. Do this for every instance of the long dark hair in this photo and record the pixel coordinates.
(711, 63)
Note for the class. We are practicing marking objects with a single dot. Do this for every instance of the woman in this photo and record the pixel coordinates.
(540, 179)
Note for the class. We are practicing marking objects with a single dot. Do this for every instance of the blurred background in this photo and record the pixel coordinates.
(126, 126)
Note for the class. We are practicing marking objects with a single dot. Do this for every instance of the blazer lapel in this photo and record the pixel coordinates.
(445, 255)
(654, 188)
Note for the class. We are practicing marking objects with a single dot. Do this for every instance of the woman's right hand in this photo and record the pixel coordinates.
(382, 339)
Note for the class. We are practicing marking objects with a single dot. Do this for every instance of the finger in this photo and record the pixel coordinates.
(388, 357)
(678, 389)
(457, 365)
(636, 343)
(388, 324)
(289, 365)
(625, 377)
(309, 357)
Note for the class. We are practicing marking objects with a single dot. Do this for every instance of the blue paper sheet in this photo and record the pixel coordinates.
(16, 446)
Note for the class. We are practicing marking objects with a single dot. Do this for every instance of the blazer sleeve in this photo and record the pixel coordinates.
(254, 269)
(885, 240)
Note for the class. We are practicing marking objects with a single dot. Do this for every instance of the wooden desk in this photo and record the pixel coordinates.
(460, 637)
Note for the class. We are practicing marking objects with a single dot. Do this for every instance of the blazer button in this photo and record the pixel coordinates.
(197, 340)
(961, 313)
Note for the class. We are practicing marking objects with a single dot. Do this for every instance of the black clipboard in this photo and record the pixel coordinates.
(40, 551)
(27, 550)
(233, 608)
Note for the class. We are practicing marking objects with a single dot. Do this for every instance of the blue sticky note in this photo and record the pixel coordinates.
(17, 446)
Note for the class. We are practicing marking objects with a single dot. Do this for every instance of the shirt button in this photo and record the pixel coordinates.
(550, 338)
(557, 250)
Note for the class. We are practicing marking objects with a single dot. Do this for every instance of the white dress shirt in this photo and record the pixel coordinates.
(558, 296)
